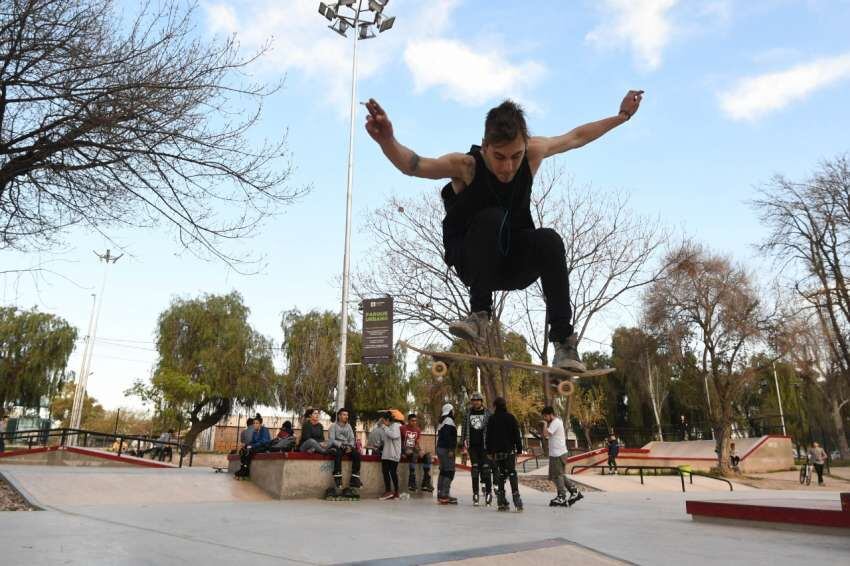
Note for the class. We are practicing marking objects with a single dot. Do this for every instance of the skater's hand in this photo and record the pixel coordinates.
(631, 103)
(378, 124)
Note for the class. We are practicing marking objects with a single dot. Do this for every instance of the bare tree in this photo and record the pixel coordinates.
(804, 337)
(107, 122)
(810, 238)
(709, 308)
(409, 266)
(610, 252)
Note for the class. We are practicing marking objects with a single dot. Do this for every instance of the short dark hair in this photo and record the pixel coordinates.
(250, 421)
(412, 416)
(286, 424)
(500, 403)
(342, 410)
(308, 413)
(548, 410)
(258, 419)
(504, 123)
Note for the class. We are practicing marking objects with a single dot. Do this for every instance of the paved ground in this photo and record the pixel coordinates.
(643, 527)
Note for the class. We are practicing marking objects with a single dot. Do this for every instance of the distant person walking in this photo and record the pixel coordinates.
(613, 452)
(817, 455)
(4, 425)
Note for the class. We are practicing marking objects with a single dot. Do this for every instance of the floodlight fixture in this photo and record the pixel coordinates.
(323, 8)
(386, 24)
(377, 5)
(366, 31)
(340, 27)
(348, 3)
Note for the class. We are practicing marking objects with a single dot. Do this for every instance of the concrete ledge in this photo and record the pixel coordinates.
(296, 475)
(806, 513)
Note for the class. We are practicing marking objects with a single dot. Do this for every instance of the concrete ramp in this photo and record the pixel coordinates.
(760, 454)
(75, 456)
(74, 486)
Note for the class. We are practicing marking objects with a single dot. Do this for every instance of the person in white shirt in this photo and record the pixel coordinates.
(553, 430)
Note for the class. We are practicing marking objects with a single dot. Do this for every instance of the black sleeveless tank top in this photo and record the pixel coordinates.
(485, 191)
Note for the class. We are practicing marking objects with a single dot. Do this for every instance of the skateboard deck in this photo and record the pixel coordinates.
(457, 356)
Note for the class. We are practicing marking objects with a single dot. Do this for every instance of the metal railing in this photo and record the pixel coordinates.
(677, 471)
(534, 456)
(94, 439)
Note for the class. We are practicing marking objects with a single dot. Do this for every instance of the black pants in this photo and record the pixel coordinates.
(531, 254)
(355, 461)
(819, 470)
(504, 465)
(612, 462)
(390, 470)
(480, 468)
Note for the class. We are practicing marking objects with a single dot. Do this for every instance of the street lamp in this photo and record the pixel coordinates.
(85, 369)
(343, 16)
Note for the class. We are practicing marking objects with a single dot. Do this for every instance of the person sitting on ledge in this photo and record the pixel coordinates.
(312, 434)
(285, 440)
(341, 443)
(260, 441)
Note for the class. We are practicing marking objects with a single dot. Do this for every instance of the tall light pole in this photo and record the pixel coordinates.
(779, 400)
(85, 370)
(364, 28)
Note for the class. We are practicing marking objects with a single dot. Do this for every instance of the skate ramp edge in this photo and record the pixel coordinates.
(75, 456)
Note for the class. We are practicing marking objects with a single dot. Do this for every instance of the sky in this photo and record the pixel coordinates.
(736, 92)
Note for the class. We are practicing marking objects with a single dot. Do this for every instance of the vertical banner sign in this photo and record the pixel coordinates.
(377, 330)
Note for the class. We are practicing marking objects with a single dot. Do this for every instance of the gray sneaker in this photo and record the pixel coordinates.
(472, 328)
(566, 355)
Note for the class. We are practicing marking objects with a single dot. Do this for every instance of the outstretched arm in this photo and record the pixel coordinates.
(449, 166)
(540, 148)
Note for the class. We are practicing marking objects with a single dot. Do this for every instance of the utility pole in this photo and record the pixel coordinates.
(779, 399)
(82, 379)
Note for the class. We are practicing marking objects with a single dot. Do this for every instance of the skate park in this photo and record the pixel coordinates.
(443, 282)
(171, 515)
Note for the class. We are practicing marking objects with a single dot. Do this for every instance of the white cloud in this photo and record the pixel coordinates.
(465, 75)
(644, 26)
(753, 97)
(303, 44)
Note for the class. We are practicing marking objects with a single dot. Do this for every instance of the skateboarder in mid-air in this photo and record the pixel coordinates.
(488, 232)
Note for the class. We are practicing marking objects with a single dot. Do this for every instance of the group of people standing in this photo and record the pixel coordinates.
(492, 439)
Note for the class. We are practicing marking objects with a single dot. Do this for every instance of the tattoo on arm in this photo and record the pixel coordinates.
(414, 163)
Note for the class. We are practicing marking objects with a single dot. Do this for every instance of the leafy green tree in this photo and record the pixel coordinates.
(310, 346)
(371, 388)
(34, 351)
(210, 359)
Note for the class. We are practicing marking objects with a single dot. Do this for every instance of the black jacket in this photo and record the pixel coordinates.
(502, 433)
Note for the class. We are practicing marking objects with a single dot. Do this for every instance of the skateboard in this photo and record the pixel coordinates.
(441, 360)
(219, 470)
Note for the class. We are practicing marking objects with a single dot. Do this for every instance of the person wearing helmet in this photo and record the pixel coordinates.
(446, 446)
(473, 443)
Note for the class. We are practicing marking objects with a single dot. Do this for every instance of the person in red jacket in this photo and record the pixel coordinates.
(412, 450)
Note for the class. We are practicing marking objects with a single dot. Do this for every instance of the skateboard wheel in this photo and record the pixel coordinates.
(439, 369)
(566, 388)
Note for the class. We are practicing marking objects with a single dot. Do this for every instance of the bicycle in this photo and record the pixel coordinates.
(806, 473)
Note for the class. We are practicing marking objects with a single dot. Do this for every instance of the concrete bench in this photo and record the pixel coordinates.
(294, 475)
